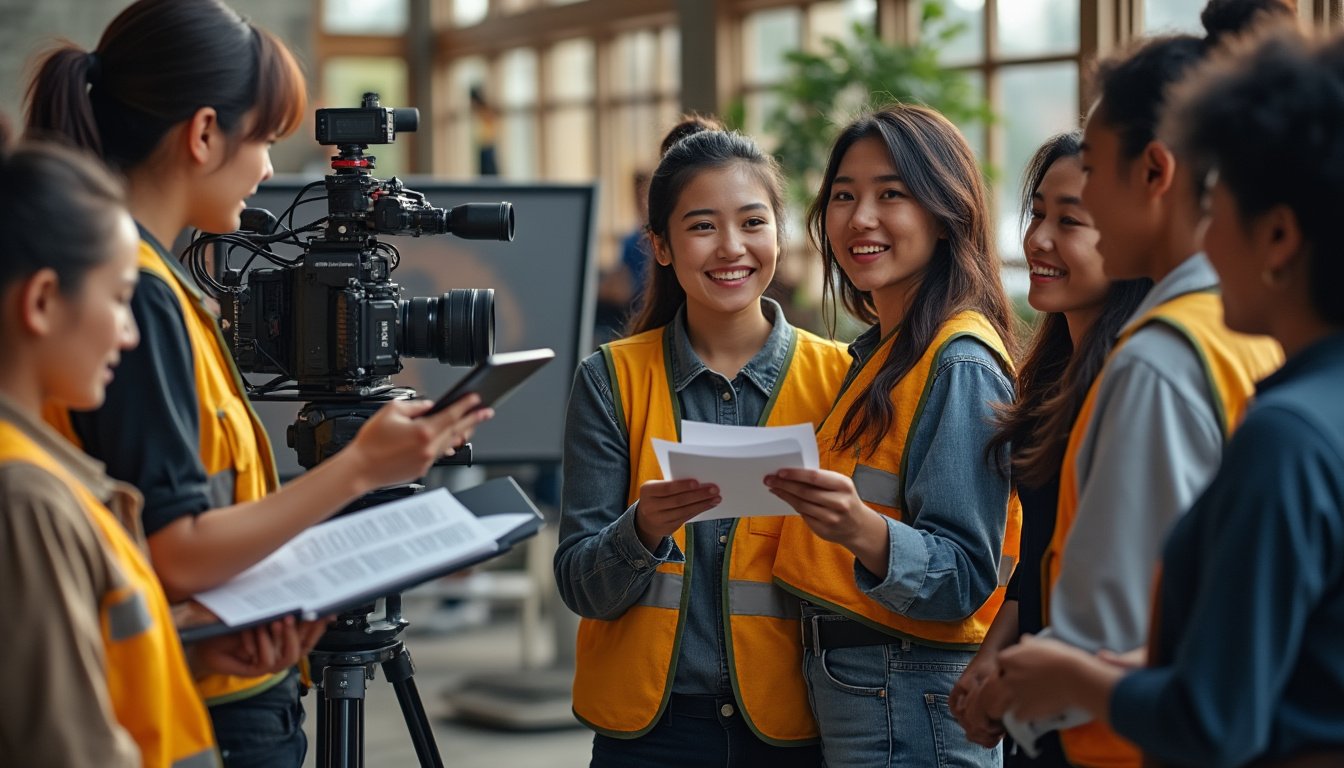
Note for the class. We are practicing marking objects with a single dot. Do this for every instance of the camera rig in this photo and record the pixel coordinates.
(330, 323)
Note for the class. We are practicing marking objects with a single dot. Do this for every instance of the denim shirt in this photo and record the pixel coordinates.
(945, 564)
(601, 566)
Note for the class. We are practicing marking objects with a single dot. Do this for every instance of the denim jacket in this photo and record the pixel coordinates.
(945, 564)
(601, 566)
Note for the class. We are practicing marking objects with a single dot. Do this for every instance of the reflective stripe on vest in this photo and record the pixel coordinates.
(1233, 363)
(128, 616)
(148, 683)
(234, 444)
(204, 759)
(745, 598)
(823, 572)
(626, 666)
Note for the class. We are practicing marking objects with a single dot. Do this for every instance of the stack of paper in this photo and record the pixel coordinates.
(737, 459)
(370, 552)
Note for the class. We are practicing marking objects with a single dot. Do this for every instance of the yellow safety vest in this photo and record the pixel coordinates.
(148, 682)
(1233, 362)
(234, 447)
(822, 572)
(626, 665)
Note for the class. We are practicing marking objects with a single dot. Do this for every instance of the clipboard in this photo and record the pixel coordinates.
(498, 496)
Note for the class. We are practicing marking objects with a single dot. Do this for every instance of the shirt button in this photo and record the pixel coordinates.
(723, 539)
(726, 710)
(727, 396)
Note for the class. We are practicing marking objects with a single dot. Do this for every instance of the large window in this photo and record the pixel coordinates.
(1025, 57)
(572, 90)
(364, 17)
(640, 105)
(1160, 16)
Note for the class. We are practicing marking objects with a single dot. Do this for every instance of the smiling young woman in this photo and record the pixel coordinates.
(906, 535)
(687, 652)
(1082, 310)
(1257, 557)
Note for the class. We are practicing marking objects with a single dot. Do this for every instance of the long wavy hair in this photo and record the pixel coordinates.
(939, 168)
(1054, 378)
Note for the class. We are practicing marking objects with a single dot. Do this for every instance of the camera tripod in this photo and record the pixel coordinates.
(341, 664)
(347, 655)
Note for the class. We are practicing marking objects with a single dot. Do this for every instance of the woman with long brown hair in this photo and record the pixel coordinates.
(908, 532)
(1082, 310)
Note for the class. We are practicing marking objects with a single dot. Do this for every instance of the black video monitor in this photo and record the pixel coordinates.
(544, 297)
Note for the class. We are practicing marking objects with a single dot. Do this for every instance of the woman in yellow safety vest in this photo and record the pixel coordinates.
(185, 98)
(1082, 310)
(908, 533)
(688, 655)
(1151, 430)
(99, 675)
(1244, 663)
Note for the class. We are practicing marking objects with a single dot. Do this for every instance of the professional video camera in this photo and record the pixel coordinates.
(330, 323)
(333, 327)
(333, 320)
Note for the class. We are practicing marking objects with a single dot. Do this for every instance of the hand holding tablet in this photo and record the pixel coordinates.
(494, 378)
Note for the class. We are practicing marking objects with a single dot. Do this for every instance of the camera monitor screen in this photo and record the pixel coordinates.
(544, 297)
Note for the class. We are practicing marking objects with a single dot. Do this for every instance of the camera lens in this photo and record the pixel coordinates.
(481, 221)
(458, 327)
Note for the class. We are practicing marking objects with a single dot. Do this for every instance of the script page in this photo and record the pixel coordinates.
(356, 554)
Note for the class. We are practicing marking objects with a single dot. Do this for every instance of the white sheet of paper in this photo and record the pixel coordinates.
(503, 524)
(1027, 732)
(704, 433)
(350, 555)
(739, 471)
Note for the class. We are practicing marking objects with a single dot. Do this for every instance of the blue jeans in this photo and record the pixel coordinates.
(886, 705)
(262, 731)
(695, 732)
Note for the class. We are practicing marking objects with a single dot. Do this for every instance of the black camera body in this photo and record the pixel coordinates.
(332, 320)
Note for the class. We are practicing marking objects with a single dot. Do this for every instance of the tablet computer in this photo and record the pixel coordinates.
(495, 377)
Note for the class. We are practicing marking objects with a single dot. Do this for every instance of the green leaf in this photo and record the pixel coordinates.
(825, 90)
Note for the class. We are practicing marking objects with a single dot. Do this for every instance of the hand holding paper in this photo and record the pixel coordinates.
(666, 505)
(736, 460)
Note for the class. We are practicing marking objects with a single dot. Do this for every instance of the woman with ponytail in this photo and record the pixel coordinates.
(687, 653)
(184, 98)
(103, 678)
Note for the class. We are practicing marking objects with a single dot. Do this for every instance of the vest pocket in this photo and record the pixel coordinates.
(765, 525)
(231, 453)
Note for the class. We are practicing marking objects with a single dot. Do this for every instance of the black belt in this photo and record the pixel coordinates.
(829, 630)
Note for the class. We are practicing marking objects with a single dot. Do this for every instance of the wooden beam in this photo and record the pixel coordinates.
(551, 22)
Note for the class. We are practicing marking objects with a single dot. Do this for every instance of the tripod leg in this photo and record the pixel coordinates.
(340, 725)
(400, 671)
